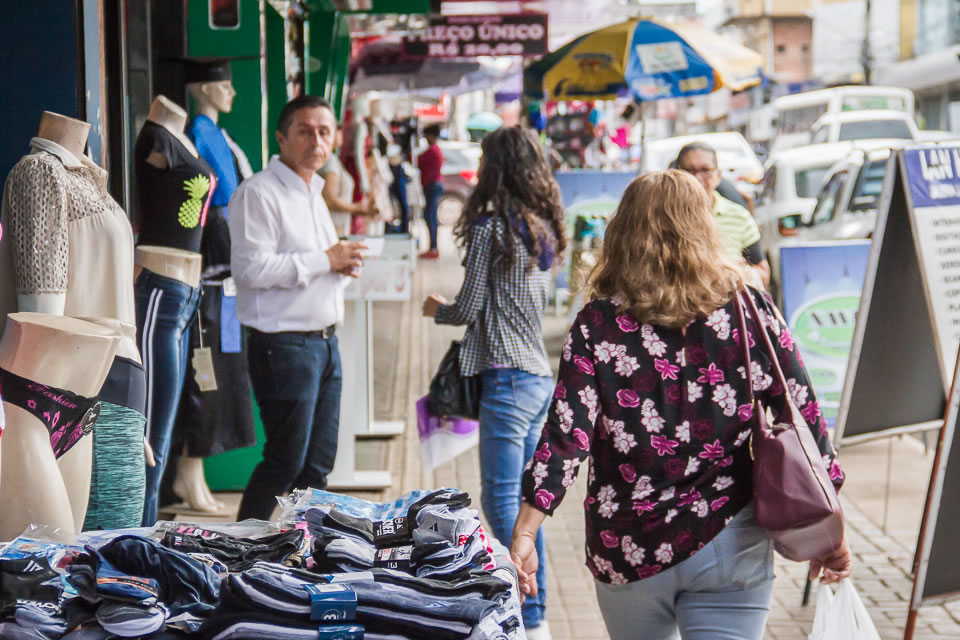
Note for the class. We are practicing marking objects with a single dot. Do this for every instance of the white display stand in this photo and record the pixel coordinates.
(387, 277)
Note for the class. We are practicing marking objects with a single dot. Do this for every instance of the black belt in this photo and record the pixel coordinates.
(325, 333)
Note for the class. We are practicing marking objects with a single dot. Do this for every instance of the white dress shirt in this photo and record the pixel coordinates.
(280, 232)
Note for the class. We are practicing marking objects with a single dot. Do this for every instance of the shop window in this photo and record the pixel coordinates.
(225, 14)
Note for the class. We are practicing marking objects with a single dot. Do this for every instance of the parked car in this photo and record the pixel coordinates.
(461, 162)
(735, 157)
(793, 179)
(864, 125)
(846, 207)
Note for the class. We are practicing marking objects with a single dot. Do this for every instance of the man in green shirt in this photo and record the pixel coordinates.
(738, 230)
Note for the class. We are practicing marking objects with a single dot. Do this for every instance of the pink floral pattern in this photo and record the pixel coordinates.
(664, 418)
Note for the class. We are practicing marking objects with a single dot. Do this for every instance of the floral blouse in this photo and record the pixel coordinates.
(664, 418)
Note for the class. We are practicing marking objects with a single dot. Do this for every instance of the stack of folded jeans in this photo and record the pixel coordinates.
(275, 598)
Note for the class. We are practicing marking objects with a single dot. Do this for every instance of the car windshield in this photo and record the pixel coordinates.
(461, 158)
(868, 129)
(869, 186)
(809, 180)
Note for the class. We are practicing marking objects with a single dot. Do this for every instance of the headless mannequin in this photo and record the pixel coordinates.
(172, 263)
(71, 135)
(34, 486)
(361, 113)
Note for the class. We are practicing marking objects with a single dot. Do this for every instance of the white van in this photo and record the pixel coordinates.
(796, 114)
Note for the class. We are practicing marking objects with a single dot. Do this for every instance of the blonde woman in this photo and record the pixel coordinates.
(652, 389)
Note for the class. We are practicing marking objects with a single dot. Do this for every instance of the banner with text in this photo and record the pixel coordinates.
(822, 283)
(518, 34)
(933, 175)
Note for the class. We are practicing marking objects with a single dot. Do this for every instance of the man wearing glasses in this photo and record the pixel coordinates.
(738, 230)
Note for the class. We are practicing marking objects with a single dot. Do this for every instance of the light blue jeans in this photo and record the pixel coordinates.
(513, 406)
(721, 593)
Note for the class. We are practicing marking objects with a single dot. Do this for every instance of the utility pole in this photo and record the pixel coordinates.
(866, 56)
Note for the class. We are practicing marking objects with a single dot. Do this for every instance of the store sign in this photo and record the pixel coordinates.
(519, 34)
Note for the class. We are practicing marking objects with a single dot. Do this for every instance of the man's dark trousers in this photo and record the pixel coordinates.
(296, 379)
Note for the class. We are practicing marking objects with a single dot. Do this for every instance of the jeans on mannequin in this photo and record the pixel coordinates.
(513, 406)
(165, 307)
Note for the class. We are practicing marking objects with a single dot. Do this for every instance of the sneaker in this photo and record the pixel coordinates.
(539, 633)
(433, 254)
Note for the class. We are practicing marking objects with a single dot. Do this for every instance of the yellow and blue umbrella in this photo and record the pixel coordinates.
(648, 59)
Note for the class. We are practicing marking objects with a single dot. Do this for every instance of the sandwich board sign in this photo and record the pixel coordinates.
(908, 323)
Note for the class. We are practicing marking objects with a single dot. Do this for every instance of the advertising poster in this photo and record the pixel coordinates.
(591, 196)
(822, 283)
(933, 176)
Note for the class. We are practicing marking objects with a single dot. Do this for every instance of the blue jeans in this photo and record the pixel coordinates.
(296, 379)
(432, 193)
(513, 406)
(165, 308)
(721, 593)
(399, 189)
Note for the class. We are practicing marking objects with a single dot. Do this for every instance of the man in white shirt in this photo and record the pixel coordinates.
(291, 269)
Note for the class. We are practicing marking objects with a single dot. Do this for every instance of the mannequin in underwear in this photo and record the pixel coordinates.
(38, 361)
(66, 232)
(356, 148)
(174, 186)
(213, 422)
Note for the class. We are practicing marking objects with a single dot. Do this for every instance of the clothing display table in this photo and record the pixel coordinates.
(331, 567)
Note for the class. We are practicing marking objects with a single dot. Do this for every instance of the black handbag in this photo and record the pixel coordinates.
(452, 394)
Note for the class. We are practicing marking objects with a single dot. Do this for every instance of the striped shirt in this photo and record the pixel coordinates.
(502, 306)
(737, 228)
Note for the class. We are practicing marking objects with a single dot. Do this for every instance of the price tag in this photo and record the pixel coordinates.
(203, 369)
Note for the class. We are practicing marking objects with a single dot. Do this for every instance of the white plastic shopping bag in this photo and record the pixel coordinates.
(841, 616)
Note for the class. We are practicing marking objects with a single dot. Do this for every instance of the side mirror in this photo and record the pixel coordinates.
(789, 225)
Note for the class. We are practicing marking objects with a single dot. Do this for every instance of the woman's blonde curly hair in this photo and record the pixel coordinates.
(662, 258)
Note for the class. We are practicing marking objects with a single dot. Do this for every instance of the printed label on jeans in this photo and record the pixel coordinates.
(395, 558)
(203, 369)
(387, 531)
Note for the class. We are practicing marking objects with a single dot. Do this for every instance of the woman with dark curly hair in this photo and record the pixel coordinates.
(512, 229)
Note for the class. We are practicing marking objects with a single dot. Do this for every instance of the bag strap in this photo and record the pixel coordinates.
(745, 345)
(795, 416)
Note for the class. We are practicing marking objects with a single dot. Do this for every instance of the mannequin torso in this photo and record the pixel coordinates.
(170, 116)
(184, 266)
(34, 486)
(66, 230)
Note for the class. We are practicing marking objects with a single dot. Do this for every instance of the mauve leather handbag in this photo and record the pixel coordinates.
(794, 499)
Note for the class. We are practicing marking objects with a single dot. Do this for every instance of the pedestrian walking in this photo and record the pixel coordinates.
(653, 390)
(430, 164)
(290, 269)
(513, 231)
(738, 230)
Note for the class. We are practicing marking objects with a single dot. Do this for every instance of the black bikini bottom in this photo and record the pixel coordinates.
(67, 416)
